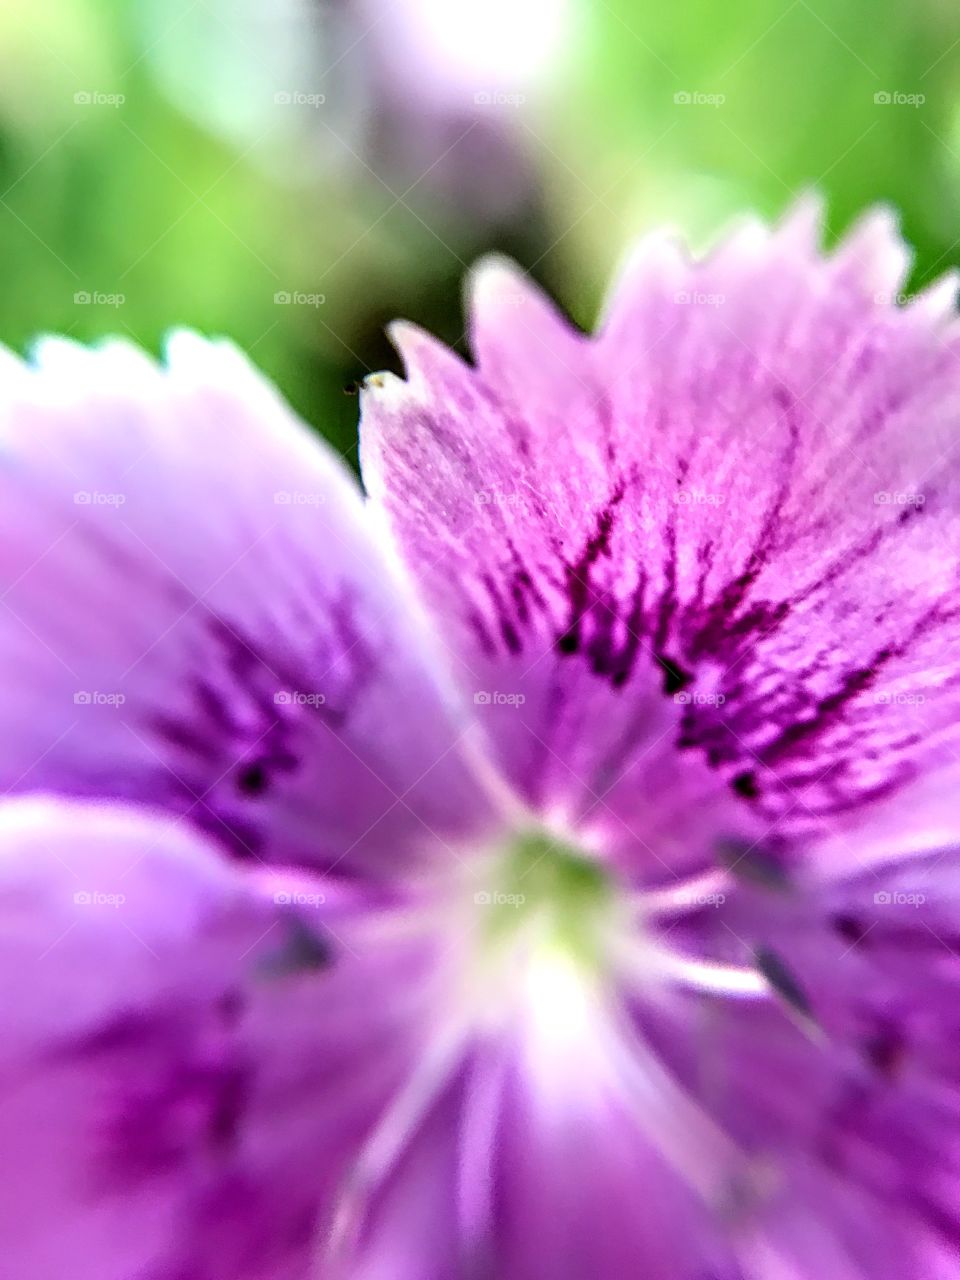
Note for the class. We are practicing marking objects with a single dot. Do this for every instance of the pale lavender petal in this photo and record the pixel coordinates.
(196, 614)
(542, 1156)
(190, 1065)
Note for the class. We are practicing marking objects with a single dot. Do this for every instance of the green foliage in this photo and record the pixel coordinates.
(161, 220)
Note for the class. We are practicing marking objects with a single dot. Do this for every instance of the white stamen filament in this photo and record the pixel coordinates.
(682, 1131)
(722, 979)
(388, 1140)
(683, 896)
(649, 965)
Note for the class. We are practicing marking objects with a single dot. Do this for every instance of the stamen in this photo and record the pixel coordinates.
(649, 965)
(685, 895)
(388, 1140)
(717, 979)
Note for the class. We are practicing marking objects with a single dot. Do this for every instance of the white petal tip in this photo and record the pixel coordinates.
(874, 249)
(497, 281)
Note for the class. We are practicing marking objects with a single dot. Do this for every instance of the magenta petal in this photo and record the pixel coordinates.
(707, 558)
(841, 1083)
(199, 616)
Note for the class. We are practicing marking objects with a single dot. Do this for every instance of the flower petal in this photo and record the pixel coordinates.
(197, 615)
(841, 1084)
(702, 570)
(541, 1157)
(176, 1096)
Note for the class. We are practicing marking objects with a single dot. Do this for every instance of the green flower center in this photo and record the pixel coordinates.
(548, 894)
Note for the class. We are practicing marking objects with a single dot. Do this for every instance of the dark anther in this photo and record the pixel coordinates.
(849, 928)
(568, 642)
(301, 951)
(675, 678)
(252, 779)
(885, 1052)
(783, 982)
(754, 864)
(745, 784)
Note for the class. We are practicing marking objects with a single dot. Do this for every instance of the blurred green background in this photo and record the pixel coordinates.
(295, 174)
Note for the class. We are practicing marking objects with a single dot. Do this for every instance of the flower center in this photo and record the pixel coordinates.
(546, 894)
(552, 926)
(538, 929)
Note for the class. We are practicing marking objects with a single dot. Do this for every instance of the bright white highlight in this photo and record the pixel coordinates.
(457, 48)
(560, 1003)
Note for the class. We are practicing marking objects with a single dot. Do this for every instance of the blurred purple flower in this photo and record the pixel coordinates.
(545, 868)
(424, 105)
(460, 97)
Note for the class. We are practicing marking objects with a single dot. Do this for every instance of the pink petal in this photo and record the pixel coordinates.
(701, 570)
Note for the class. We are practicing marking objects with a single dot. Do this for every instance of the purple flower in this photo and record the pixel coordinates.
(545, 868)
